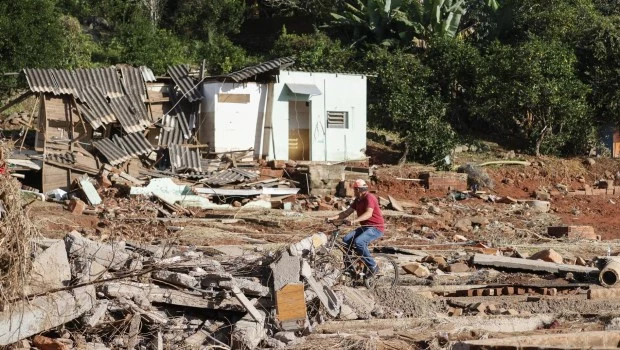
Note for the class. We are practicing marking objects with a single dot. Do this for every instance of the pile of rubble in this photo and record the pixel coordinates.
(87, 294)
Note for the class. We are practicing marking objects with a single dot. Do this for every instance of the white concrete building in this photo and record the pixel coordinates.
(303, 116)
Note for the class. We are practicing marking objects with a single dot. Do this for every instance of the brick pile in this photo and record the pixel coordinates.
(573, 232)
(447, 181)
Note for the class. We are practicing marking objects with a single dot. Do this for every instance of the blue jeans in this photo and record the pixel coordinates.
(359, 240)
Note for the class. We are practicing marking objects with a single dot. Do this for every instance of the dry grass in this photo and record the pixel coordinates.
(16, 234)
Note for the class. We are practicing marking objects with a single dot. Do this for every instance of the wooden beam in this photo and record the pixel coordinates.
(17, 100)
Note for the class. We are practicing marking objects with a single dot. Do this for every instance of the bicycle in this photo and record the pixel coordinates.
(328, 263)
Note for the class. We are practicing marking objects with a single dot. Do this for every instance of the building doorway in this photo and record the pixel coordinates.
(299, 130)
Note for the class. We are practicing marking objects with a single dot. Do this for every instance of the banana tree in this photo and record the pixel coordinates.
(443, 17)
(375, 21)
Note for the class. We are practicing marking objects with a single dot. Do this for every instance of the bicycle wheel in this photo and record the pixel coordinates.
(387, 276)
(327, 268)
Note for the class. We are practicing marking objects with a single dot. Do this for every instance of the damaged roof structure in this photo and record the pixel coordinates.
(123, 116)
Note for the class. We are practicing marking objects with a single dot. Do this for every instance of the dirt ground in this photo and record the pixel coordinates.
(429, 224)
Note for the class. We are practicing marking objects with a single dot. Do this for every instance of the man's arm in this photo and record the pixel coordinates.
(367, 215)
(342, 214)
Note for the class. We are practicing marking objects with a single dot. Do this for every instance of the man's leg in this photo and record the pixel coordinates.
(361, 245)
(349, 240)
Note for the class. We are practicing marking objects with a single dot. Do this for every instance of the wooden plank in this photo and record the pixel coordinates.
(291, 303)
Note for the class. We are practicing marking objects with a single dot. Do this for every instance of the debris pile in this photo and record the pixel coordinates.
(119, 295)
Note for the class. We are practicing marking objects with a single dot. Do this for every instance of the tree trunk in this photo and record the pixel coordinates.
(403, 158)
(540, 140)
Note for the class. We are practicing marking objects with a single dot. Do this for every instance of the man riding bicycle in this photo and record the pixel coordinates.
(372, 226)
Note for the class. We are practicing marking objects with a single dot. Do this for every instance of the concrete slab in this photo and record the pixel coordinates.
(113, 257)
(26, 318)
(50, 270)
(573, 340)
(286, 270)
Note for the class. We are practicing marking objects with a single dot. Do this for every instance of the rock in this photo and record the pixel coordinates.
(463, 225)
(542, 195)
(580, 261)
(458, 267)
(286, 337)
(590, 161)
(76, 206)
(508, 181)
(459, 238)
(347, 313)
(479, 221)
(248, 333)
(417, 270)
(45, 343)
(433, 209)
(455, 311)
(548, 255)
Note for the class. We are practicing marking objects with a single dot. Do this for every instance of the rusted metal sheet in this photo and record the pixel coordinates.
(180, 76)
(248, 72)
(184, 159)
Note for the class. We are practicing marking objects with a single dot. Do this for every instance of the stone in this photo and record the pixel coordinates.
(76, 206)
(458, 267)
(286, 337)
(590, 161)
(360, 301)
(463, 225)
(417, 270)
(196, 339)
(548, 255)
(580, 261)
(455, 311)
(45, 343)
(433, 209)
(459, 238)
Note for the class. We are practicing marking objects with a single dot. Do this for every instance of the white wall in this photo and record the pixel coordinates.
(340, 92)
(237, 126)
(233, 126)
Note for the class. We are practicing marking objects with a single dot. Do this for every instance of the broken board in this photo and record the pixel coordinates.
(291, 306)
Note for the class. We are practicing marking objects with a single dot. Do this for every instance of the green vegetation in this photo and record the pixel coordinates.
(539, 75)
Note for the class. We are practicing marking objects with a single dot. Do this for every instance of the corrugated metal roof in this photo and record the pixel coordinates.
(66, 82)
(128, 114)
(105, 79)
(170, 133)
(147, 74)
(184, 159)
(180, 76)
(122, 148)
(228, 176)
(113, 152)
(95, 107)
(248, 72)
(134, 144)
(133, 83)
(40, 80)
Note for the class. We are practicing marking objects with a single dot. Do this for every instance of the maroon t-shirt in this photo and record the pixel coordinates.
(369, 201)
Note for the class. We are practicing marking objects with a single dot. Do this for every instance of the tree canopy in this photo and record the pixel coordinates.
(540, 74)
